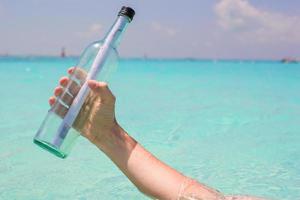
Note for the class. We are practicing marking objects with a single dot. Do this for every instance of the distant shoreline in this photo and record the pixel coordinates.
(34, 57)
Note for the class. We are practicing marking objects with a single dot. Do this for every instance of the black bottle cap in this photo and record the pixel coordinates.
(127, 11)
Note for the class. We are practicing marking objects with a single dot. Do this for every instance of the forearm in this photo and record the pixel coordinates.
(147, 173)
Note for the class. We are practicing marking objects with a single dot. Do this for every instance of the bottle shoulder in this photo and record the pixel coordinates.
(99, 43)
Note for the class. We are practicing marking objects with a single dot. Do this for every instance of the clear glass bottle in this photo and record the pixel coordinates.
(55, 133)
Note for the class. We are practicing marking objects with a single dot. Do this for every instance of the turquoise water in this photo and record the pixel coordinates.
(232, 125)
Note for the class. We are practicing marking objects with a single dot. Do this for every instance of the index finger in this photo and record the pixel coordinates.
(77, 74)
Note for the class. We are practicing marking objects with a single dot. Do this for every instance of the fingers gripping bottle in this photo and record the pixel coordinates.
(55, 133)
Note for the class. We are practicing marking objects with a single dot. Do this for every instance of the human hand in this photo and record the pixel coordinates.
(96, 119)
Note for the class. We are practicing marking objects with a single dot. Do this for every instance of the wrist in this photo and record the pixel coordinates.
(115, 142)
(104, 137)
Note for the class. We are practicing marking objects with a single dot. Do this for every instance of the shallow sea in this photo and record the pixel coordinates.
(234, 125)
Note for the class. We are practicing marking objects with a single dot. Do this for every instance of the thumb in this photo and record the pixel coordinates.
(101, 89)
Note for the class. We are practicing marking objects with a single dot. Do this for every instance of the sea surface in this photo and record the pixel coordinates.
(233, 125)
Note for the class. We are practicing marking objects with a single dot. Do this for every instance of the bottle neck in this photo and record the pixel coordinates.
(113, 37)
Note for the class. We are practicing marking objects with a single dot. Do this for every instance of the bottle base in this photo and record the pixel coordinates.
(50, 148)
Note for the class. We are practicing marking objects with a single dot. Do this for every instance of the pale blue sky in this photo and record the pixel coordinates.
(242, 29)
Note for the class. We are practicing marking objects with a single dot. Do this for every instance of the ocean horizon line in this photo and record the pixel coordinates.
(30, 57)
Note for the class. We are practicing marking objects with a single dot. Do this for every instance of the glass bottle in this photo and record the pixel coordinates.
(55, 133)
